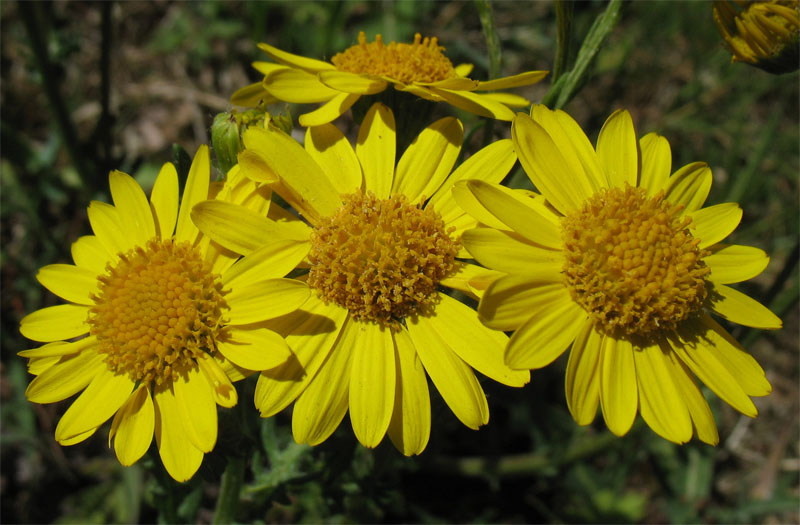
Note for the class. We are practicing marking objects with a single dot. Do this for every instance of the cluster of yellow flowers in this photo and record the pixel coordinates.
(175, 298)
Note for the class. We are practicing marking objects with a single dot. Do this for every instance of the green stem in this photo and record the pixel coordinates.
(69, 137)
(495, 53)
(564, 9)
(231, 486)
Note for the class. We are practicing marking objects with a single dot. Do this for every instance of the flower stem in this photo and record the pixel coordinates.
(495, 53)
(564, 9)
(231, 486)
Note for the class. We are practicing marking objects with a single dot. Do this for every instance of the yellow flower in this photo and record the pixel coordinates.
(419, 68)
(377, 250)
(619, 259)
(164, 318)
(762, 33)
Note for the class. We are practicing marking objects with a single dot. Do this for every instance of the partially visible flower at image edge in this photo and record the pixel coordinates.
(765, 34)
(382, 242)
(164, 320)
(618, 259)
(368, 68)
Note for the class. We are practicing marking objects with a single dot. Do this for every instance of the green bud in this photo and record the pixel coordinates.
(226, 140)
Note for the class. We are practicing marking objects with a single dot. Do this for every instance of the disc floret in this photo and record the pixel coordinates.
(422, 61)
(382, 259)
(632, 263)
(157, 309)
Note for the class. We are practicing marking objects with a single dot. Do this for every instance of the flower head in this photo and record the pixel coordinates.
(765, 34)
(420, 68)
(618, 259)
(378, 250)
(163, 318)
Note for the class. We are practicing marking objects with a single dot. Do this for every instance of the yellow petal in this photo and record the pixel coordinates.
(508, 99)
(332, 152)
(410, 427)
(474, 103)
(656, 163)
(252, 95)
(522, 79)
(310, 332)
(196, 190)
(453, 83)
(101, 399)
(303, 183)
(471, 279)
(322, 406)
(256, 349)
(742, 366)
(544, 337)
(453, 378)
(329, 111)
(700, 347)
(292, 60)
(88, 252)
(737, 307)
(273, 260)
(242, 230)
(375, 148)
(464, 70)
(544, 164)
(60, 348)
(582, 380)
(351, 82)
(660, 398)
(67, 376)
(619, 393)
(428, 160)
(197, 408)
(618, 150)
(164, 200)
(181, 459)
(265, 300)
(298, 87)
(506, 251)
(133, 207)
(38, 365)
(731, 263)
(221, 387)
(700, 412)
(132, 428)
(481, 348)
(689, 186)
(55, 323)
(714, 223)
(490, 164)
(511, 300)
(521, 218)
(105, 222)
(78, 438)
(72, 283)
(372, 382)
(575, 150)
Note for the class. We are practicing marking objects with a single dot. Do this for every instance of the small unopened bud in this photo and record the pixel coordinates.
(226, 140)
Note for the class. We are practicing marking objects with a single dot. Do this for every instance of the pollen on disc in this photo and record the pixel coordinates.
(632, 263)
(382, 259)
(157, 309)
(420, 61)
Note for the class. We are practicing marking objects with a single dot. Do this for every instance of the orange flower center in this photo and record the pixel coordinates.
(632, 263)
(158, 308)
(382, 259)
(421, 61)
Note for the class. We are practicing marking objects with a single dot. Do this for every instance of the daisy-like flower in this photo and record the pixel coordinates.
(378, 251)
(618, 259)
(762, 33)
(419, 68)
(163, 318)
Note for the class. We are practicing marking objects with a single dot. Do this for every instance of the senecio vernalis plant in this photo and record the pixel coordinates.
(343, 303)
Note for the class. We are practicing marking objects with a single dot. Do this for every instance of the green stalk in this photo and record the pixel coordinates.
(495, 53)
(230, 488)
(564, 9)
